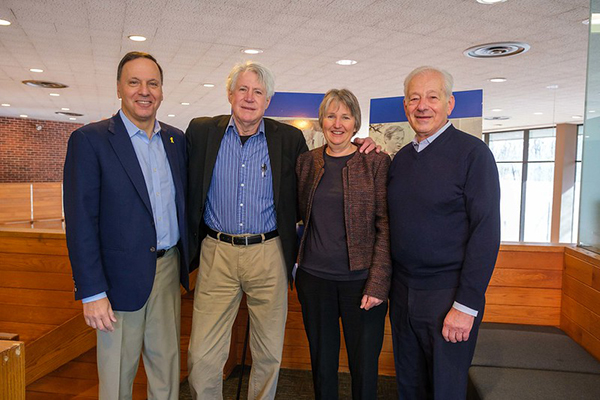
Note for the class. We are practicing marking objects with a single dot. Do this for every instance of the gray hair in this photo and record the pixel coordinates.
(448, 79)
(341, 96)
(265, 76)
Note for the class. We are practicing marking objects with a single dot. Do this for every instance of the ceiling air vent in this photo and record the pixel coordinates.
(68, 114)
(497, 118)
(500, 49)
(45, 84)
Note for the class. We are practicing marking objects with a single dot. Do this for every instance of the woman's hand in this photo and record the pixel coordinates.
(369, 302)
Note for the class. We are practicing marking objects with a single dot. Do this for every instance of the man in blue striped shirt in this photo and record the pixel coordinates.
(242, 199)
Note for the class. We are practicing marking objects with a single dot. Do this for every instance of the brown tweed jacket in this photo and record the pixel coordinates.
(365, 208)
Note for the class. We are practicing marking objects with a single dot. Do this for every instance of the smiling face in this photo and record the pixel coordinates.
(248, 102)
(140, 91)
(426, 105)
(338, 127)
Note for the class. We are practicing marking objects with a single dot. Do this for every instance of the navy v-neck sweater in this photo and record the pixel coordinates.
(444, 208)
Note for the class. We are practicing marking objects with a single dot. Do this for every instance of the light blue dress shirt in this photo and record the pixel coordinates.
(240, 197)
(420, 146)
(154, 163)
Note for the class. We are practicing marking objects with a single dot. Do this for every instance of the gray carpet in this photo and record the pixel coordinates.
(297, 385)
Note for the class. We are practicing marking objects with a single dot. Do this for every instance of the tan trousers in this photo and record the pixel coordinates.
(225, 272)
(154, 331)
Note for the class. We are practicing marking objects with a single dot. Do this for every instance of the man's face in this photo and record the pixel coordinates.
(248, 99)
(426, 105)
(140, 91)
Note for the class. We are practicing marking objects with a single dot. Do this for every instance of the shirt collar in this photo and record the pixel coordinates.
(431, 138)
(261, 127)
(132, 129)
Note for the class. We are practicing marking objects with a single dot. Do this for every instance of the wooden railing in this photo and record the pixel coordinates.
(27, 204)
(12, 370)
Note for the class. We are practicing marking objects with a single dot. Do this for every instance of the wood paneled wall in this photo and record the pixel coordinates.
(580, 314)
(37, 302)
(526, 285)
(36, 297)
(525, 289)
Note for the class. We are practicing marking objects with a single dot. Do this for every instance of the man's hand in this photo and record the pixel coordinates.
(369, 302)
(457, 326)
(99, 315)
(366, 145)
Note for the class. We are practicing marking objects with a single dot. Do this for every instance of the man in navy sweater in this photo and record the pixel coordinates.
(444, 207)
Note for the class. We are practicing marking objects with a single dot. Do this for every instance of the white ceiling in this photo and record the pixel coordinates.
(80, 42)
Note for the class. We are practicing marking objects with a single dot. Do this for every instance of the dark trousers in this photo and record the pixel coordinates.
(428, 367)
(323, 303)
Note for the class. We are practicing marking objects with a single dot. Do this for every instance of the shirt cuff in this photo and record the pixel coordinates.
(93, 298)
(465, 309)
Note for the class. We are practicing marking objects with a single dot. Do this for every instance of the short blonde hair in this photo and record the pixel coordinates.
(345, 97)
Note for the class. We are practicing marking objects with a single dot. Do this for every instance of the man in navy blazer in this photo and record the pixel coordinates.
(124, 201)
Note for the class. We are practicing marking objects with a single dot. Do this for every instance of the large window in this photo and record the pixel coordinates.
(525, 161)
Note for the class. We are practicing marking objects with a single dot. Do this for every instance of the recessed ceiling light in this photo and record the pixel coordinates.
(5, 105)
(4, 22)
(345, 62)
(252, 51)
(65, 109)
(552, 87)
(185, 104)
(576, 117)
(538, 113)
(73, 119)
(171, 115)
(490, 1)
(496, 109)
(209, 85)
(36, 70)
(137, 38)
(54, 94)
(23, 115)
(591, 111)
(497, 80)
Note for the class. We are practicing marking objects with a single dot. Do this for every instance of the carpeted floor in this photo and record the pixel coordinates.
(297, 385)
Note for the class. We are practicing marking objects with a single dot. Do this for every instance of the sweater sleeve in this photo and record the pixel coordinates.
(482, 201)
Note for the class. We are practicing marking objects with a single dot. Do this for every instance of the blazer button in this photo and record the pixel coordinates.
(152, 249)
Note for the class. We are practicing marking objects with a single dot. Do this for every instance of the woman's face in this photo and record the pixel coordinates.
(338, 125)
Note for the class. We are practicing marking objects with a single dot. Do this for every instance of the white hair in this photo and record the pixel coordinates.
(265, 76)
(448, 79)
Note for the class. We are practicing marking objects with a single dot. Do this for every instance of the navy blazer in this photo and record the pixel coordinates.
(110, 229)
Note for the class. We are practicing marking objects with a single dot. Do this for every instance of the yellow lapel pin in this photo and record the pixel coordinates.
(172, 139)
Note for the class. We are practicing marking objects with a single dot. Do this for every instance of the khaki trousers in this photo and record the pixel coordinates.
(154, 331)
(227, 271)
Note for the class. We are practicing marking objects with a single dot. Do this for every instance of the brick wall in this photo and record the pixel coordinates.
(29, 155)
